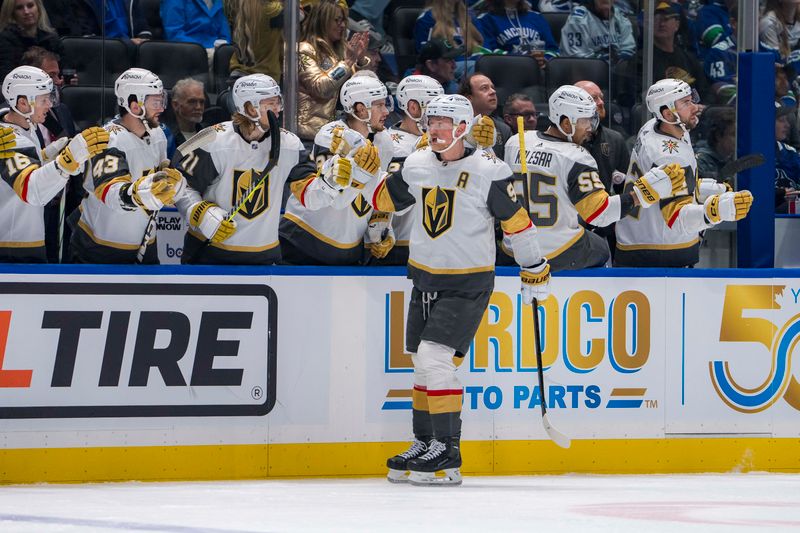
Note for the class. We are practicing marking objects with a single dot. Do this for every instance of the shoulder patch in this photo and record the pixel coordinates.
(669, 146)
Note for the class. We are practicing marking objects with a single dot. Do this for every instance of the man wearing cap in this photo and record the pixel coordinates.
(437, 60)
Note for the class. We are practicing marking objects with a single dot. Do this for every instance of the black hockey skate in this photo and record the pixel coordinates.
(398, 465)
(440, 465)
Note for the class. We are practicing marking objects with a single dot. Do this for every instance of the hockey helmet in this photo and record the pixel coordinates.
(574, 103)
(139, 83)
(454, 106)
(664, 93)
(417, 87)
(254, 88)
(361, 90)
(29, 82)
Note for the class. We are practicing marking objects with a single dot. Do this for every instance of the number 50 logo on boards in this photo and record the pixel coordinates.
(133, 349)
(778, 340)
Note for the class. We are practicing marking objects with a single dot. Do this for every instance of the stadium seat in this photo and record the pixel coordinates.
(568, 70)
(215, 115)
(85, 55)
(90, 106)
(152, 12)
(174, 61)
(222, 66)
(401, 28)
(512, 74)
(556, 21)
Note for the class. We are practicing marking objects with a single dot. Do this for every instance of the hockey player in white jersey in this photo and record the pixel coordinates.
(669, 236)
(413, 94)
(129, 180)
(334, 235)
(563, 184)
(30, 181)
(457, 193)
(220, 173)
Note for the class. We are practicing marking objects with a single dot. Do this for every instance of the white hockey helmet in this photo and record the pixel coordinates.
(664, 93)
(361, 90)
(254, 88)
(454, 106)
(574, 103)
(420, 88)
(29, 82)
(139, 83)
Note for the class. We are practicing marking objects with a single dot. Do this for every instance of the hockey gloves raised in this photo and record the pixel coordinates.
(728, 206)
(210, 219)
(707, 187)
(535, 282)
(659, 183)
(482, 131)
(368, 163)
(345, 140)
(336, 174)
(8, 141)
(154, 191)
(52, 150)
(83, 146)
(379, 238)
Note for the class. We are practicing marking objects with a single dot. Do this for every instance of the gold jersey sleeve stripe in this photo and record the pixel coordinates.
(298, 187)
(589, 207)
(101, 191)
(21, 182)
(519, 221)
(382, 200)
(671, 210)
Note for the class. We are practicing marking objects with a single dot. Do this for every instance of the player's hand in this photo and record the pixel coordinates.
(83, 146)
(153, 191)
(535, 282)
(8, 141)
(210, 219)
(379, 237)
(483, 131)
(337, 174)
(617, 177)
(728, 206)
(655, 185)
(708, 187)
(52, 150)
(367, 160)
(344, 141)
(423, 141)
(175, 183)
(677, 177)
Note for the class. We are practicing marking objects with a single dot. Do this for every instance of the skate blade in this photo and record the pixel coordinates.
(448, 477)
(397, 476)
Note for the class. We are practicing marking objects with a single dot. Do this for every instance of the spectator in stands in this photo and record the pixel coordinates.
(713, 24)
(520, 105)
(510, 26)
(480, 91)
(370, 11)
(443, 19)
(24, 23)
(257, 30)
(779, 29)
(125, 20)
(188, 105)
(327, 60)
(74, 18)
(437, 60)
(787, 161)
(720, 65)
(598, 30)
(720, 146)
(554, 6)
(195, 21)
(670, 60)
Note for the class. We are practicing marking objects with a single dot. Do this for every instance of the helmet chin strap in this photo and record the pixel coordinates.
(678, 122)
(367, 120)
(456, 138)
(567, 135)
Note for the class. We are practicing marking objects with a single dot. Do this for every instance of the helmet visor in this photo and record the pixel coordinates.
(156, 103)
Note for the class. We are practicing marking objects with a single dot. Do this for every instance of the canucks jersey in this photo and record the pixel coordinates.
(218, 173)
(651, 237)
(332, 235)
(110, 229)
(586, 35)
(456, 203)
(27, 187)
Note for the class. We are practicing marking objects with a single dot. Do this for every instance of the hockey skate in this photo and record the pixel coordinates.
(398, 465)
(440, 465)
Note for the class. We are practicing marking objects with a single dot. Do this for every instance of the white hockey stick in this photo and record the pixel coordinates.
(555, 435)
(202, 138)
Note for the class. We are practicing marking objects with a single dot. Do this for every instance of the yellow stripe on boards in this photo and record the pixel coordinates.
(259, 461)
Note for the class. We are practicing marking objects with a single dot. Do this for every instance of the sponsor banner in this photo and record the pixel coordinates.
(170, 229)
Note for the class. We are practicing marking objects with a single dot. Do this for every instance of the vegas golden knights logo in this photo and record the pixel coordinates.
(258, 202)
(437, 212)
(360, 206)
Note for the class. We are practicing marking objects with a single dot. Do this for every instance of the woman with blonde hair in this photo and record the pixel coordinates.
(257, 32)
(451, 21)
(327, 60)
(779, 28)
(24, 23)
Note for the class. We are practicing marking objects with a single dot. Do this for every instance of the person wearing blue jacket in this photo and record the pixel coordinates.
(712, 25)
(125, 20)
(195, 21)
(510, 26)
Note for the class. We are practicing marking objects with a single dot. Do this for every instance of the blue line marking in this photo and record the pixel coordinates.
(624, 404)
(683, 348)
(396, 406)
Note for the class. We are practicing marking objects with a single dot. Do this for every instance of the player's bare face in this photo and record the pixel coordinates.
(274, 104)
(42, 105)
(583, 130)
(378, 115)
(688, 112)
(440, 130)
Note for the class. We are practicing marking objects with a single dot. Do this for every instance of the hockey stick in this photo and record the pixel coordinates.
(555, 435)
(202, 138)
(745, 162)
(274, 153)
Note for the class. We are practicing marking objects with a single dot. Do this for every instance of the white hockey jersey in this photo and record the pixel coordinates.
(332, 235)
(215, 173)
(404, 144)
(586, 35)
(115, 228)
(650, 237)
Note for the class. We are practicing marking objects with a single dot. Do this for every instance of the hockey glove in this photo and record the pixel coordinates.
(8, 141)
(337, 174)
(658, 183)
(153, 191)
(379, 237)
(368, 162)
(423, 142)
(483, 131)
(52, 150)
(728, 206)
(83, 146)
(535, 282)
(210, 219)
(345, 140)
(707, 187)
